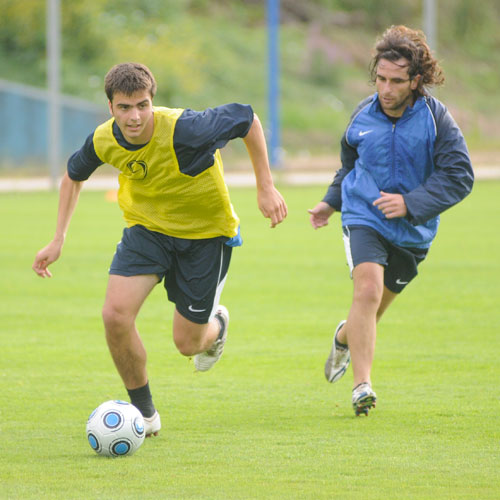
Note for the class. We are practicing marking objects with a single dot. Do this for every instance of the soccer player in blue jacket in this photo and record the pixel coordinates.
(404, 161)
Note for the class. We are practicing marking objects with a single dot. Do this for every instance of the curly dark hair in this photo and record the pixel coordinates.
(400, 41)
(128, 78)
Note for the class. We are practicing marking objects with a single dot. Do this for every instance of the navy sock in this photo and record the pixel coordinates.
(142, 399)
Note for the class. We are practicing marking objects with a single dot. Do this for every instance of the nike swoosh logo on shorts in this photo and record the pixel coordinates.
(399, 282)
(190, 307)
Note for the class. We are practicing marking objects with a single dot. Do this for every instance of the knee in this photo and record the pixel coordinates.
(185, 346)
(189, 338)
(186, 349)
(368, 293)
(114, 319)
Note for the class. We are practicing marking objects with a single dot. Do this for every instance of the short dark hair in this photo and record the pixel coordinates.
(128, 78)
(401, 42)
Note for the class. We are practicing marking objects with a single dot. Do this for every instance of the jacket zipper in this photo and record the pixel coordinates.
(393, 156)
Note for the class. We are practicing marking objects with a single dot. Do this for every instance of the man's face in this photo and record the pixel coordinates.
(394, 87)
(133, 115)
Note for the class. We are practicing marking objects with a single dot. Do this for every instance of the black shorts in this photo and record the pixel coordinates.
(364, 244)
(194, 270)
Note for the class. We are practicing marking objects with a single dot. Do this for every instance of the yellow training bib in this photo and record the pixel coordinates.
(156, 194)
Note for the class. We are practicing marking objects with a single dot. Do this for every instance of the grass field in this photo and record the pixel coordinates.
(263, 424)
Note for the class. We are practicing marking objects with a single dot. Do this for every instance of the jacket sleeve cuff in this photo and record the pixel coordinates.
(333, 198)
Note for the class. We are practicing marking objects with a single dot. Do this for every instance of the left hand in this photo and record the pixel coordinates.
(391, 205)
(272, 205)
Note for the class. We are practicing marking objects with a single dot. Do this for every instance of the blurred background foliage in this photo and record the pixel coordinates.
(205, 53)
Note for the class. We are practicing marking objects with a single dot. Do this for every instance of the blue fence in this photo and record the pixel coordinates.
(24, 125)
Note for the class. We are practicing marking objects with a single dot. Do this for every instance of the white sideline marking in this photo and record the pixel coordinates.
(235, 179)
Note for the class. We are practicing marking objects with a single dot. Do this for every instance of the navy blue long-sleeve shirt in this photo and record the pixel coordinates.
(197, 135)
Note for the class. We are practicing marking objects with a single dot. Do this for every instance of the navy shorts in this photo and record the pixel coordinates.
(194, 271)
(364, 244)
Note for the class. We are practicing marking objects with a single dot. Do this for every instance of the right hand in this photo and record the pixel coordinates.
(45, 257)
(320, 214)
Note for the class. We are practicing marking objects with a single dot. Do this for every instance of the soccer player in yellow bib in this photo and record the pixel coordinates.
(181, 226)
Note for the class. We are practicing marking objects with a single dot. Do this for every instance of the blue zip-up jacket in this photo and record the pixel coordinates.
(422, 156)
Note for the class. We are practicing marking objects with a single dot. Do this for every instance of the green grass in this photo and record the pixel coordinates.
(263, 424)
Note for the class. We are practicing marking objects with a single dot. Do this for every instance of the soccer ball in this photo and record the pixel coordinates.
(115, 428)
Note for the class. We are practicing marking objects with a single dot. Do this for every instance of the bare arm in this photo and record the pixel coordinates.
(68, 198)
(271, 203)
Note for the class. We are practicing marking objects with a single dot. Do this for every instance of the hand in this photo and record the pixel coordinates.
(320, 214)
(391, 205)
(272, 205)
(45, 257)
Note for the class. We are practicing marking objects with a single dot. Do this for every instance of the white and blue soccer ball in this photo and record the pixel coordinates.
(115, 429)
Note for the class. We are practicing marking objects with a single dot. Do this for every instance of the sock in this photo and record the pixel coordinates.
(142, 399)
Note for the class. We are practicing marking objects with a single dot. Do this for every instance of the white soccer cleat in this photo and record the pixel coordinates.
(363, 398)
(339, 359)
(152, 425)
(205, 360)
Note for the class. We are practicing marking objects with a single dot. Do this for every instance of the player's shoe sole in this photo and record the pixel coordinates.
(338, 360)
(205, 360)
(363, 399)
(152, 425)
